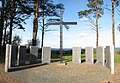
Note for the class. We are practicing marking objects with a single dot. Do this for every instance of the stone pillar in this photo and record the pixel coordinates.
(21, 55)
(34, 54)
(46, 54)
(12, 56)
(7, 57)
(76, 55)
(100, 55)
(89, 55)
(110, 58)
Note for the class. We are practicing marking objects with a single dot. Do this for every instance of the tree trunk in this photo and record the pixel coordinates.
(43, 28)
(1, 25)
(97, 35)
(35, 23)
(61, 36)
(4, 40)
(12, 9)
(113, 22)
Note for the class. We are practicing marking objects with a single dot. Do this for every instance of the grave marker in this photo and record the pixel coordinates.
(110, 58)
(76, 55)
(46, 54)
(100, 55)
(89, 55)
(34, 54)
(7, 57)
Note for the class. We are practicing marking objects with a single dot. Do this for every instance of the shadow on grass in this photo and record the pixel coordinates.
(83, 60)
(95, 61)
(19, 68)
(68, 60)
(52, 61)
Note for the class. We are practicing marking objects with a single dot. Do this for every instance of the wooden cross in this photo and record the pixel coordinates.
(61, 32)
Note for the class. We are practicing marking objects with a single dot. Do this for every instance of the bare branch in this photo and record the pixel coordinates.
(93, 29)
(92, 26)
(117, 9)
(107, 8)
(91, 21)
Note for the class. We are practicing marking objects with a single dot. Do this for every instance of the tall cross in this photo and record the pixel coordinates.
(61, 32)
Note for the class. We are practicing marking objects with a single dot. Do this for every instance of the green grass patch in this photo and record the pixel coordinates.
(82, 57)
(69, 58)
(117, 58)
(55, 56)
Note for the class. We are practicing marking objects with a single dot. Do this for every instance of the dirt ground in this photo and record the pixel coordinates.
(113, 78)
(6, 77)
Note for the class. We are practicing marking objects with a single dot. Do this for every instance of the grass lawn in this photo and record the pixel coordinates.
(69, 58)
(117, 58)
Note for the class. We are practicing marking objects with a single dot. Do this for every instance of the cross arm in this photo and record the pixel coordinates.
(64, 23)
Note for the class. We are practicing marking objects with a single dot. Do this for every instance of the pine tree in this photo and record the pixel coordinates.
(17, 11)
(95, 9)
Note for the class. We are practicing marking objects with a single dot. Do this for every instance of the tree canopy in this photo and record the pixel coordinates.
(16, 40)
(92, 5)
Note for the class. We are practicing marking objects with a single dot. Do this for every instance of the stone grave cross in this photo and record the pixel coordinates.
(61, 31)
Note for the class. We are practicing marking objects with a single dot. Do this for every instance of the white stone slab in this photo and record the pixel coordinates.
(110, 58)
(89, 55)
(34, 54)
(76, 55)
(34, 50)
(46, 54)
(7, 58)
(100, 55)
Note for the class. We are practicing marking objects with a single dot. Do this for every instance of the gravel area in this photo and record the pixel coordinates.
(54, 73)
(113, 78)
(70, 73)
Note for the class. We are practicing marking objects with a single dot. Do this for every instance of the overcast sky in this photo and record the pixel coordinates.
(78, 35)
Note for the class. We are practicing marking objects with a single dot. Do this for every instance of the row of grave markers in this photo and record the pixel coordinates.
(14, 57)
(76, 56)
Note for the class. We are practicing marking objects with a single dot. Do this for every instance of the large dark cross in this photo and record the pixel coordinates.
(61, 32)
